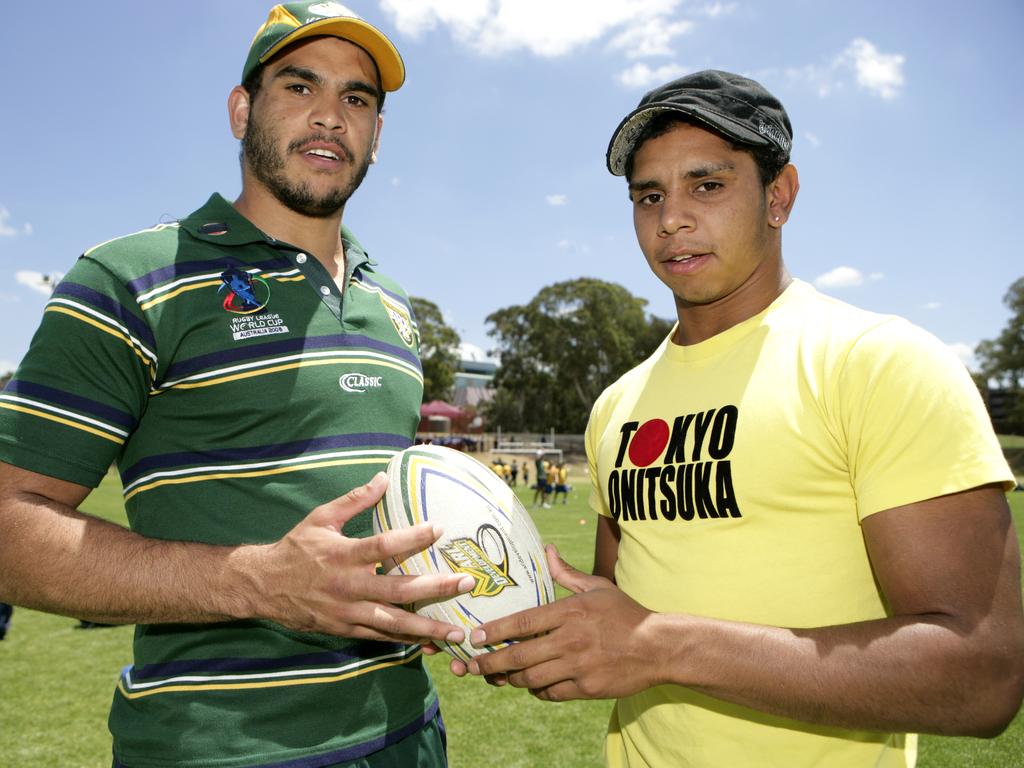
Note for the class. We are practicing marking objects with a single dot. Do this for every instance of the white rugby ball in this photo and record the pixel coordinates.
(487, 534)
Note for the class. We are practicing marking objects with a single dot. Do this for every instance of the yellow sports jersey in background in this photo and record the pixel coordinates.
(739, 470)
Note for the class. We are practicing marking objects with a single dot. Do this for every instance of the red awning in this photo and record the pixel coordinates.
(440, 408)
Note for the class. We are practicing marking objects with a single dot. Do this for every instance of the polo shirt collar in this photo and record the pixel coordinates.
(218, 221)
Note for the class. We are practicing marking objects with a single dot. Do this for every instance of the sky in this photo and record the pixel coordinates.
(491, 182)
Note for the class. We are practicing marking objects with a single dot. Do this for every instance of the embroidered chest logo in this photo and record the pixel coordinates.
(247, 298)
(400, 318)
(246, 294)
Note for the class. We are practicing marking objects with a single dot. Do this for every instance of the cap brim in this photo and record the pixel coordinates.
(625, 136)
(366, 36)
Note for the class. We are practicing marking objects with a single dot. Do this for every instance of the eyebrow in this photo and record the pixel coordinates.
(700, 172)
(310, 76)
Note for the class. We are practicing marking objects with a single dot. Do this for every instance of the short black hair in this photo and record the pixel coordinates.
(254, 82)
(770, 160)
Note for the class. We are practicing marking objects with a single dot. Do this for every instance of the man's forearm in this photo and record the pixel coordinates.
(59, 560)
(918, 674)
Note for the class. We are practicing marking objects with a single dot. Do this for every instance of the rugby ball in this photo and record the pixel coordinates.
(487, 534)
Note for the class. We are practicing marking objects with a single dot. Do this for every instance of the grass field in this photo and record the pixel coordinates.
(56, 682)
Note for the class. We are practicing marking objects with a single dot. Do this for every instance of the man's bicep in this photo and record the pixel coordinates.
(23, 484)
(955, 555)
(606, 547)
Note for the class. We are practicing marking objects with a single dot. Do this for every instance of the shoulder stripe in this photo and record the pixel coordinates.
(69, 400)
(13, 406)
(372, 287)
(132, 324)
(157, 228)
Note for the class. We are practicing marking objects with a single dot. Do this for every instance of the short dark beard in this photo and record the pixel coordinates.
(267, 163)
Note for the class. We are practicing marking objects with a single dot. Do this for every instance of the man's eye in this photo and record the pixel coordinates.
(710, 186)
(299, 88)
(651, 198)
(358, 101)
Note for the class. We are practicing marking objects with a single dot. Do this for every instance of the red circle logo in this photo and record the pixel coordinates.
(649, 442)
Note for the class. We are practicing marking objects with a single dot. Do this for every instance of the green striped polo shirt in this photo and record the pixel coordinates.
(236, 388)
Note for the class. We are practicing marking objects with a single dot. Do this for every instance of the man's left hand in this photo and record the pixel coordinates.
(590, 645)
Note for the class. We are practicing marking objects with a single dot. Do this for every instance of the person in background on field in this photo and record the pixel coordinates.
(265, 636)
(804, 552)
(6, 612)
(540, 493)
(515, 473)
(561, 484)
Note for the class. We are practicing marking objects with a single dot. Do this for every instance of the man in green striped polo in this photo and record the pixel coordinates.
(250, 372)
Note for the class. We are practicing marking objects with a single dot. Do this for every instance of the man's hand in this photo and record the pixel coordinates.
(590, 645)
(316, 579)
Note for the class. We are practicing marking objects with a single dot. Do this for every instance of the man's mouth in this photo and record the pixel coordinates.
(324, 153)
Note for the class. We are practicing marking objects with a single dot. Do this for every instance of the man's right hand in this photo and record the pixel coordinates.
(316, 579)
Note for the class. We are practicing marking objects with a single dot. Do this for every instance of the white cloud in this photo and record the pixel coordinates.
(6, 366)
(966, 353)
(845, 277)
(395, 181)
(37, 281)
(556, 200)
(933, 305)
(650, 37)
(546, 28)
(27, 229)
(6, 230)
(812, 139)
(714, 10)
(880, 73)
(642, 76)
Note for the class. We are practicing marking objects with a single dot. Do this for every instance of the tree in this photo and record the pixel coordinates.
(438, 350)
(1002, 358)
(562, 349)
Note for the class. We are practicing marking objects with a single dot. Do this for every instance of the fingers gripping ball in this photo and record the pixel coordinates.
(487, 535)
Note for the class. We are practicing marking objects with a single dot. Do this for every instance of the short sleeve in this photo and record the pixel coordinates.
(82, 387)
(916, 427)
(591, 443)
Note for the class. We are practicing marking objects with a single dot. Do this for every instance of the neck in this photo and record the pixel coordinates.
(699, 322)
(319, 237)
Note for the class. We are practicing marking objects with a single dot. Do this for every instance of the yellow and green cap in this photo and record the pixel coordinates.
(290, 22)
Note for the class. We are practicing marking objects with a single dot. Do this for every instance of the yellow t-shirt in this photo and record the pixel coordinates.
(739, 469)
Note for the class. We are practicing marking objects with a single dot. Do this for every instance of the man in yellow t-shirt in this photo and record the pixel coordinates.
(804, 553)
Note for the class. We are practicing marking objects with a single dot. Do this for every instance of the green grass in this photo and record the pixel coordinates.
(57, 681)
(1011, 441)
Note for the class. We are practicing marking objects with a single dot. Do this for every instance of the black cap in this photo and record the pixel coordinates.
(736, 107)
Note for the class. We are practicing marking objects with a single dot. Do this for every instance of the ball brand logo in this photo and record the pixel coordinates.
(694, 476)
(359, 382)
(485, 559)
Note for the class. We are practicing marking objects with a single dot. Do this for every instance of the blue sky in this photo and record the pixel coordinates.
(491, 181)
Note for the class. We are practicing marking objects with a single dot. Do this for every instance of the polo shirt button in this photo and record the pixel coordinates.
(325, 290)
(301, 258)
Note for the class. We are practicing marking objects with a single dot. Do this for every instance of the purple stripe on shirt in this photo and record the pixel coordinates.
(283, 346)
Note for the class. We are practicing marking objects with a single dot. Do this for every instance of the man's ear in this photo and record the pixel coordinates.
(782, 195)
(239, 105)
